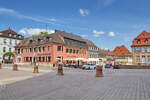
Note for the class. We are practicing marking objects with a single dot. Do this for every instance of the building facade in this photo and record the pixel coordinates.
(141, 48)
(107, 56)
(48, 49)
(93, 54)
(8, 40)
(122, 55)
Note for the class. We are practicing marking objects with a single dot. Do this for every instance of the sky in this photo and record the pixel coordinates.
(108, 23)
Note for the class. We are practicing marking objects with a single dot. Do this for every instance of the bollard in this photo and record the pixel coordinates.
(60, 70)
(15, 67)
(36, 69)
(0, 66)
(99, 71)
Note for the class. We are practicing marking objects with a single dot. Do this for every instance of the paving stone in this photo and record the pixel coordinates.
(77, 84)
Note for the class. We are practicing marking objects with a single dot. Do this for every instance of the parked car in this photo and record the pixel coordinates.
(107, 65)
(89, 66)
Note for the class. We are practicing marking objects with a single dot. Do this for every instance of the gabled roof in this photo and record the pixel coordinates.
(56, 37)
(9, 33)
(121, 51)
(90, 43)
(143, 35)
(103, 52)
(69, 35)
(142, 39)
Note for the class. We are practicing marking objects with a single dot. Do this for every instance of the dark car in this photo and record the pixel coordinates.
(107, 66)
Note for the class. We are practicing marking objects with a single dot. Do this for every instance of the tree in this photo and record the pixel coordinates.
(9, 55)
(41, 33)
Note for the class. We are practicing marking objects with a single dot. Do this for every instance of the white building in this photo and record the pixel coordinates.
(8, 41)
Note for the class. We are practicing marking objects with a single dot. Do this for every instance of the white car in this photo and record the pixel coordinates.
(89, 66)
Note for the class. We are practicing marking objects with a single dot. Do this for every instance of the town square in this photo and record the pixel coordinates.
(74, 50)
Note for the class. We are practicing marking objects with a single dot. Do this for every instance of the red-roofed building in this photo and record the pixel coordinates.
(122, 55)
(141, 48)
(107, 56)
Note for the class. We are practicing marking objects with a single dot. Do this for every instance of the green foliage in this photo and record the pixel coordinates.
(41, 33)
(8, 54)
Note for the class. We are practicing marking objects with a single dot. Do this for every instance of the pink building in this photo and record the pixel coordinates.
(47, 49)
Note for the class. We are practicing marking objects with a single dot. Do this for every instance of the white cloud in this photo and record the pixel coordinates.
(19, 15)
(97, 34)
(84, 35)
(31, 31)
(111, 34)
(84, 12)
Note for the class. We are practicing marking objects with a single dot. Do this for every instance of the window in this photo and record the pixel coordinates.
(43, 49)
(74, 51)
(34, 49)
(48, 39)
(31, 41)
(70, 51)
(39, 49)
(4, 49)
(10, 42)
(15, 41)
(77, 51)
(10, 35)
(146, 41)
(39, 40)
(21, 50)
(49, 58)
(138, 41)
(18, 51)
(59, 58)
(30, 49)
(137, 58)
(4, 41)
(67, 50)
(148, 58)
(9, 49)
(59, 48)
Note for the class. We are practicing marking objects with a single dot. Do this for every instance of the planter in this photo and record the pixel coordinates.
(15, 67)
(36, 69)
(60, 70)
(99, 71)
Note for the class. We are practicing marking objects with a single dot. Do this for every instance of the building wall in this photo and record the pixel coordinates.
(7, 43)
(141, 58)
(55, 55)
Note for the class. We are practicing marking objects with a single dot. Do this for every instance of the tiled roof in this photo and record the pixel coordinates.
(121, 51)
(69, 35)
(42, 39)
(90, 43)
(142, 39)
(9, 33)
(56, 37)
(103, 52)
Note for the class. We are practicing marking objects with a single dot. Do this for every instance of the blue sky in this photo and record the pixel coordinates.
(109, 23)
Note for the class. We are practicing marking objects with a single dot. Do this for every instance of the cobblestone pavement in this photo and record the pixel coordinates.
(82, 85)
(7, 75)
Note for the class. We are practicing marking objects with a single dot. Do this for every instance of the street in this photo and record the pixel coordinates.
(77, 84)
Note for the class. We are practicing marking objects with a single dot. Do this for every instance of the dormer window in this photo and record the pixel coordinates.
(138, 41)
(39, 40)
(10, 35)
(31, 41)
(19, 36)
(48, 38)
(146, 41)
